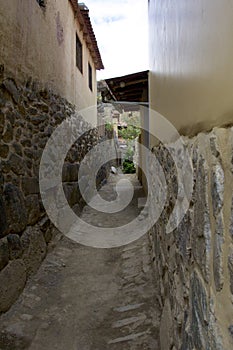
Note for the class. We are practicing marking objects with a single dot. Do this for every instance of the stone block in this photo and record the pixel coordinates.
(199, 312)
(38, 119)
(201, 229)
(16, 212)
(17, 164)
(13, 279)
(4, 253)
(183, 235)
(217, 188)
(17, 148)
(3, 220)
(30, 185)
(44, 224)
(34, 249)
(51, 233)
(70, 172)
(4, 150)
(77, 208)
(230, 267)
(218, 252)
(33, 208)
(231, 220)
(166, 327)
(72, 193)
(12, 89)
(15, 247)
(8, 134)
(41, 106)
(2, 121)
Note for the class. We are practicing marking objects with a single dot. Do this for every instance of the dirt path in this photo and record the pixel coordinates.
(87, 299)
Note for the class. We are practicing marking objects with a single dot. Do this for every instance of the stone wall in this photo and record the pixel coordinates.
(28, 116)
(194, 263)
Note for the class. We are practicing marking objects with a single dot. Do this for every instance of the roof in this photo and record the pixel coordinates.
(131, 88)
(82, 14)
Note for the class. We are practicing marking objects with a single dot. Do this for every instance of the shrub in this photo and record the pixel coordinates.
(128, 167)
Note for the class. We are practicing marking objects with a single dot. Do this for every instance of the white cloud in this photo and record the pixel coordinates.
(121, 30)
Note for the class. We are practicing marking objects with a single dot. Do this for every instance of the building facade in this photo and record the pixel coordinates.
(54, 43)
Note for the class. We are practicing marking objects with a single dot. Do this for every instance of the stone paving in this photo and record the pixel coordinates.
(84, 298)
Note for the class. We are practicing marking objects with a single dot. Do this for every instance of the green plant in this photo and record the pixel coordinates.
(128, 167)
(130, 133)
(108, 126)
(129, 153)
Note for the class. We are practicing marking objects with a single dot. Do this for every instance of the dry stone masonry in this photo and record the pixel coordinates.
(194, 263)
(29, 115)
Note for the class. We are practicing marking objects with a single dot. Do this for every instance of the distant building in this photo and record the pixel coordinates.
(53, 42)
(130, 93)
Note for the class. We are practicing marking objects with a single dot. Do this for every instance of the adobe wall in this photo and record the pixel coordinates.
(40, 43)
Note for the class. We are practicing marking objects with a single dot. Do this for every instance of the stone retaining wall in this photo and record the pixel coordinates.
(194, 263)
(28, 116)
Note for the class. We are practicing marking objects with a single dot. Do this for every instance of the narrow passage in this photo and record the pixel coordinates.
(84, 298)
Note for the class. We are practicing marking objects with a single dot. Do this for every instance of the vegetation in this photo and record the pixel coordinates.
(128, 167)
(108, 126)
(129, 133)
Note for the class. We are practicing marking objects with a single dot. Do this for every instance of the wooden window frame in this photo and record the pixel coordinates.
(79, 54)
(90, 76)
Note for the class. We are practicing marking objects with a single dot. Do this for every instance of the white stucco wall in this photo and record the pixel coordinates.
(191, 80)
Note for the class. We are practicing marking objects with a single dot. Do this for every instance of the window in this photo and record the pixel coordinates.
(41, 3)
(90, 76)
(79, 54)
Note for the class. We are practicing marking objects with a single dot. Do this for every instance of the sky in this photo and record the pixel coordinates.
(121, 30)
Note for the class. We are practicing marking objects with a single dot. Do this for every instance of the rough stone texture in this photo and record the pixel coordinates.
(3, 220)
(29, 115)
(199, 313)
(70, 172)
(16, 213)
(4, 150)
(201, 232)
(4, 253)
(13, 279)
(15, 247)
(230, 266)
(85, 298)
(231, 220)
(34, 249)
(194, 263)
(217, 188)
(30, 185)
(166, 329)
(33, 209)
(218, 254)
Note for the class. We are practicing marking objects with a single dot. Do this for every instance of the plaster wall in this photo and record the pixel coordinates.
(191, 81)
(40, 43)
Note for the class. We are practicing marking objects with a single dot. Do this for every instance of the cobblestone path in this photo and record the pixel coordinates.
(84, 298)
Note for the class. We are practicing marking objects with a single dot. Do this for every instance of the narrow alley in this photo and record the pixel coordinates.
(92, 93)
(88, 299)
